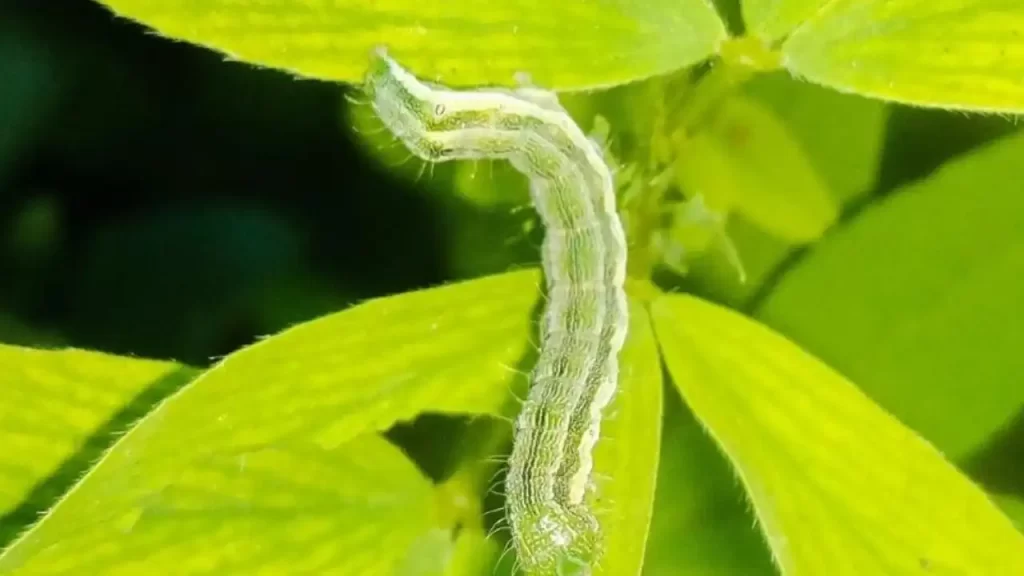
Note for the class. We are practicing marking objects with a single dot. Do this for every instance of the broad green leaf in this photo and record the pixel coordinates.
(290, 508)
(840, 487)
(702, 525)
(966, 54)
(58, 411)
(771, 20)
(747, 161)
(626, 457)
(998, 464)
(911, 300)
(1013, 507)
(450, 350)
(429, 554)
(457, 42)
(842, 136)
(474, 554)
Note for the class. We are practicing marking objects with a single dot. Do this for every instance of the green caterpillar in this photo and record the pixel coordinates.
(584, 325)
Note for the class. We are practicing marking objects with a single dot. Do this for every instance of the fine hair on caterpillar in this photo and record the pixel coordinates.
(475, 182)
(553, 527)
(369, 131)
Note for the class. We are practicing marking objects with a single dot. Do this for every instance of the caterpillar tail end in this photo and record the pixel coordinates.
(555, 541)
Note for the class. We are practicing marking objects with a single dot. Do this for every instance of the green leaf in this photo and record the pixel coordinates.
(450, 350)
(59, 410)
(998, 464)
(771, 20)
(911, 300)
(840, 487)
(965, 54)
(626, 457)
(474, 554)
(747, 160)
(1013, 507)
(456, 42)
(428, 555)
(290, 508)
(702, 525)
(842, 136)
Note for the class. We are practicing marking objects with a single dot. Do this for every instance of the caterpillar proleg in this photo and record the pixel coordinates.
(584, 324)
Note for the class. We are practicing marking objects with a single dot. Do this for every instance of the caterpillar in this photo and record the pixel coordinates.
(583, 326)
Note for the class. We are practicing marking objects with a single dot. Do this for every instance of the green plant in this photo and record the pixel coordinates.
(272, 461)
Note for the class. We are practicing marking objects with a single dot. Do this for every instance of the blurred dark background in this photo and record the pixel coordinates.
(157, 200)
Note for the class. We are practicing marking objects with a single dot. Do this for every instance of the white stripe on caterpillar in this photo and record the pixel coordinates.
(584, 261)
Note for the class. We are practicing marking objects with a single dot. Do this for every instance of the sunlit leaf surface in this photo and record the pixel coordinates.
(840, 486)
(59, 409)
(626, 457)
(771, 20)
(291, 400)
(913, 299)
(966, 54)
(289, 508)
(458, 42)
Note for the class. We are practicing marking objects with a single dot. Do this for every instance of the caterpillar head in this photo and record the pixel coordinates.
(439, 124)
(556, 541)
